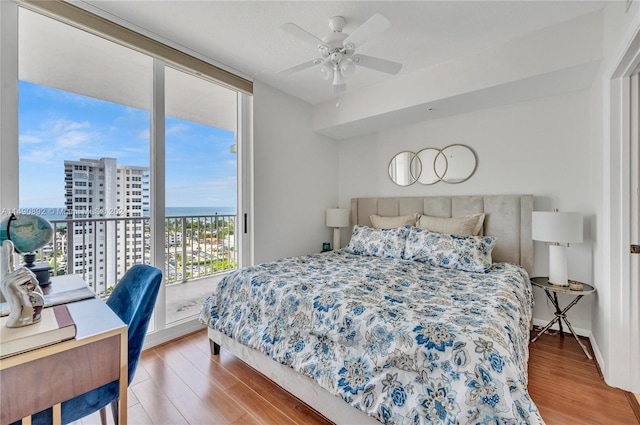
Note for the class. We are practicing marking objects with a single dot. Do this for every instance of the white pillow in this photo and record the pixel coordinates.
(469, 225)
(379, 222)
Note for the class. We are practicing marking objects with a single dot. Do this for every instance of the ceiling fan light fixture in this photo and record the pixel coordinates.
(347, 66)
(338, 50)
(349, 48)
(326, 71)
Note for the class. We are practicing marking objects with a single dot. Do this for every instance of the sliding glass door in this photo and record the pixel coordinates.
(201, 187)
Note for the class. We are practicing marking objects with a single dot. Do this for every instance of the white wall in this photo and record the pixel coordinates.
(539, 147)
(295, 177)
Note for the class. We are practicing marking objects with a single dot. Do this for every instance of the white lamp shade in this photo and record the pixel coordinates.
(560, 227)
(337, 217)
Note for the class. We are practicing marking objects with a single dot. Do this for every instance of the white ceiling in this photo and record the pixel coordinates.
(246, 35)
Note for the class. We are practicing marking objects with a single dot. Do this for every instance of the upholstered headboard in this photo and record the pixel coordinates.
(507, 218)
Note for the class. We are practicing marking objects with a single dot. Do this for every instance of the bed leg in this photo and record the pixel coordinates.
(214, 347)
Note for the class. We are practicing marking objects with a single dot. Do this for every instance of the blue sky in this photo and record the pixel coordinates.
(55, 125)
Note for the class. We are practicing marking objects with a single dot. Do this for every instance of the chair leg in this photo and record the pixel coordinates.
(103, 416)
(114, 411)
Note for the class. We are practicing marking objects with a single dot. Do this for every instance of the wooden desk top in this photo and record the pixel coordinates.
(91, 316)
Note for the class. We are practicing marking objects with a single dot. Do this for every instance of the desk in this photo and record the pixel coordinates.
(42, 378)
(561, 315)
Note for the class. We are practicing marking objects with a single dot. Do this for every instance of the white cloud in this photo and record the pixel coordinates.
(144, 134)
(63, 126)
(29, 139)
(40, 156)
(74, 138)
(59, 138)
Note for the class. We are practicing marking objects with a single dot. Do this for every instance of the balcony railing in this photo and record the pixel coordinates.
(103, 249)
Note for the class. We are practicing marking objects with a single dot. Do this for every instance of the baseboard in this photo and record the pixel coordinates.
(634, 401)
(542, 323)
(582, 332)
(166, 335)
(598, 356)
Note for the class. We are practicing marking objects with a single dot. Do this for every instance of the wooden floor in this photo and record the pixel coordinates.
(180, 383)
(568, 388)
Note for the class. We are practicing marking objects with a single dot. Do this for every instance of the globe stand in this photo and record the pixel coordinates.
(41, 269)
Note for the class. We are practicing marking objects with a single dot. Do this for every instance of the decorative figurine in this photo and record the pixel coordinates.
(20, 289)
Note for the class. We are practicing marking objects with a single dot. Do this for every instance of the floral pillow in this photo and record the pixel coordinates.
(468, 253)
(386, 243)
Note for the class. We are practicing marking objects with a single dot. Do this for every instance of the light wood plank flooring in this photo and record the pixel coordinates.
(568, 388)
(180, 383)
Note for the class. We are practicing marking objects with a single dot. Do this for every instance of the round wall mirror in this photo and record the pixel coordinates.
(460, 164)
(433, 165)
(404, 168)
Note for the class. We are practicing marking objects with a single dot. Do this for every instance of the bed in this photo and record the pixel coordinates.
(378, 333)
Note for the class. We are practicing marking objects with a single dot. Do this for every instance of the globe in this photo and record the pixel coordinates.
(27, 232)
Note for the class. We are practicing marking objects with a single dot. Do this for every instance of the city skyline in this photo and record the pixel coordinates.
(55, 126)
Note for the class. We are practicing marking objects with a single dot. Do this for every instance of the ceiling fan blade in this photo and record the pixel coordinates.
(300, 67)
(304, 35)
(378, 64)
(373, 26)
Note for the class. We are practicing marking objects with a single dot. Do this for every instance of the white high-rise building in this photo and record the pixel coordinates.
(108, 201)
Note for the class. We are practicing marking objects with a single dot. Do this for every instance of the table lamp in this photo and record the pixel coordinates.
(337, 218)
(558, 228)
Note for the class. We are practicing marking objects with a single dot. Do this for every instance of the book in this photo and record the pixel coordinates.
(69, 296)
(56, 298)
(56, 325)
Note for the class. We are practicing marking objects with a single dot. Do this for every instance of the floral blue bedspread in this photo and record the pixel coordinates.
(404, 342)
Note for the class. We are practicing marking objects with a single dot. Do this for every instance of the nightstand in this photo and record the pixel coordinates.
(561, 315)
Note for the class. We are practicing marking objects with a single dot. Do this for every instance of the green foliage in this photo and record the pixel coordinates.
(216, 264)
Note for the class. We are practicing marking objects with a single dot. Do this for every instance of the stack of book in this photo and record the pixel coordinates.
(55, 326)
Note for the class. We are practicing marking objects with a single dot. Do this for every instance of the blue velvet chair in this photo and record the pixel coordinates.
(133, 300)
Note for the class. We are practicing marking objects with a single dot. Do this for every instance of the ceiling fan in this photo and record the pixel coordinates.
(337, 50)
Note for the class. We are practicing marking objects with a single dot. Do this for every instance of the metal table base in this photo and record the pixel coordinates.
(561, 316)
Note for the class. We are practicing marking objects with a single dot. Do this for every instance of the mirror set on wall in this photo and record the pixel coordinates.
(453, 164)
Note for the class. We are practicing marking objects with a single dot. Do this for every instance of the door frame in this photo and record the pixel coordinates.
(624, 325)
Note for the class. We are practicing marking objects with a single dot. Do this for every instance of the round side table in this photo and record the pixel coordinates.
(561, 314)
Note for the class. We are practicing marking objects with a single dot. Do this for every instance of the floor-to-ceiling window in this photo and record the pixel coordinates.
(89, 161)
(83, 135)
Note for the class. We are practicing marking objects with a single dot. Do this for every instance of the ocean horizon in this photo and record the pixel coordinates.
(59, 213)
